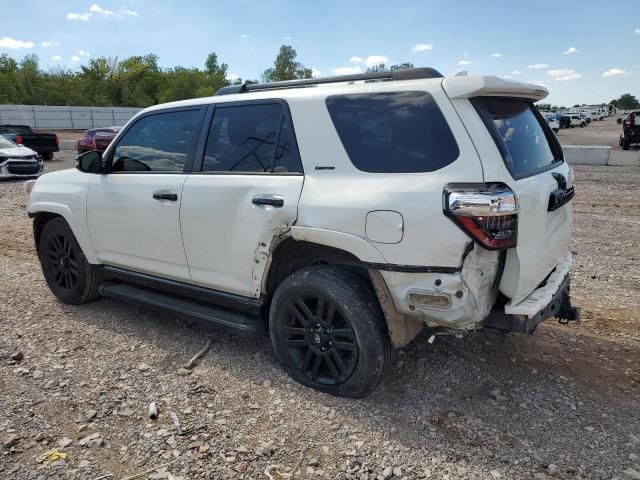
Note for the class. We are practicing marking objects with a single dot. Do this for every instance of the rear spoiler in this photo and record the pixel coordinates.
(489, 86)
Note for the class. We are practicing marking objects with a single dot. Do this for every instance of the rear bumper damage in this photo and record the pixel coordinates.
(559, 306)
(466, 300)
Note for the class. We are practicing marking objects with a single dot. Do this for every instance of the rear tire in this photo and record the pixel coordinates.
(328, 332)
(71, 278)
(47, 156)
(626, 144)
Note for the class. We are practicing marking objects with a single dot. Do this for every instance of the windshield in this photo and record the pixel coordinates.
(527, 145)
(4, 143)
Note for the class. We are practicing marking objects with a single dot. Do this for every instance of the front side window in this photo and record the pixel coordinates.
(526, 144)
(395, 132)
(157, 143)
(251, 139)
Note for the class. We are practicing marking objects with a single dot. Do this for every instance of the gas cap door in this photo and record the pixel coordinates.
(384, 226)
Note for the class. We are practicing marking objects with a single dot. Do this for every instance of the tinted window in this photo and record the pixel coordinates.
(158, 143)
(243, 138)
(526, 145)
(395, 132)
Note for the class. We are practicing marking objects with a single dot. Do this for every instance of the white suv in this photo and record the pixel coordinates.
(342, 215)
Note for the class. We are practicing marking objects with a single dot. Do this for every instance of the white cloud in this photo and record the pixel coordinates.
(78, 16)
(288, 37)
(507, 77)
(75, 58)
(96, 10)
(422, 47)
(232, 77)
(356, 60)
(465, 62)
(315, 73)
(7, 42)
(374, 60)
(616, 72)
(56, 58)
(637, 30)
(244, 35)
(560, 72)
(516, 72)
(538, 66)
(49, 44)
(572, 76)
(128, 13)
(347, 70)
(570, 50)
(564, 74)
(496, 55)
(83, 53)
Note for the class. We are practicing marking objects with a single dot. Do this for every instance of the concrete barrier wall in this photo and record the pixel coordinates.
(587, 154)
(59, 118)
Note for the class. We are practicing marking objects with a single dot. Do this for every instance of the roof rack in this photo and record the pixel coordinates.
(404, 74)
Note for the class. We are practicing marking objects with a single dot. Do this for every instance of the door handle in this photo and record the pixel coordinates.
(165, 195)
(271, 200)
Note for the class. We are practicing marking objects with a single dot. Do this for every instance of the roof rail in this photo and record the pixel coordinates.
(403, 74)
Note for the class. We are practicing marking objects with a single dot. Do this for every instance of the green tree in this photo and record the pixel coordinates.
(626, 102)
(286, 67)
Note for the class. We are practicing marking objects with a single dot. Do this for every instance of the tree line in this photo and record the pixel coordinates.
(136, 81)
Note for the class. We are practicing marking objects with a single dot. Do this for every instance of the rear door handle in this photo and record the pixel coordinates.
(271, 200)
(165, 195)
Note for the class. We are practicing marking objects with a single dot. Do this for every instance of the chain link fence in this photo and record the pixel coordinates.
(59, 118)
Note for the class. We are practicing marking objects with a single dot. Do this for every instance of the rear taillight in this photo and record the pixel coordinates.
(487, 212)
(19, 139)
(56, 136)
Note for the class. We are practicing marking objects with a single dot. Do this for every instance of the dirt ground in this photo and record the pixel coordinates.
(561, 404)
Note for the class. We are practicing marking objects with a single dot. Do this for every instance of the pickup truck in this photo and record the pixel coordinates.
(42, 143)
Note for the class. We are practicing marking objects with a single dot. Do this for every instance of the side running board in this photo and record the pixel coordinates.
(237, 323)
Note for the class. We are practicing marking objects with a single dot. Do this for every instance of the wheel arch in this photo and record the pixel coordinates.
(291, 254)
(42, 213)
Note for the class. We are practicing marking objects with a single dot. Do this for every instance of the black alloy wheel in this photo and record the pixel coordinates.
(328, 331)
(61, 261)
(71, 278)
(319, 340)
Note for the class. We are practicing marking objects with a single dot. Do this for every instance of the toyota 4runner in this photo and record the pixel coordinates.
(340, 215)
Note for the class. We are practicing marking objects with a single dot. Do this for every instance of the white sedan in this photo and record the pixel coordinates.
(18, 161)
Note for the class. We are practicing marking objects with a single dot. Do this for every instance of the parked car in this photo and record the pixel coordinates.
(96, 139)
(45, 144)
(553, 123)
(564, 121)
(341, 220)
(630, 130)
(576, 120)
(18, 160)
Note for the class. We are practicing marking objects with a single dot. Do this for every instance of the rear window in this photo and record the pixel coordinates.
(527, 145)
(396, 132)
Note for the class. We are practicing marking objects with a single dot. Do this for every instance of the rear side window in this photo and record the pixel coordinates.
(158, 143)
(527, 145)
(395, 132)
(251, 139)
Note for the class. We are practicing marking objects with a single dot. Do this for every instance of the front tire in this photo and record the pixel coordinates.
(71, 278)
(46, 156)
(328, 332)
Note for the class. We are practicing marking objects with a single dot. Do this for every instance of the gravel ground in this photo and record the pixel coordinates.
(563, 403)
(605, 132)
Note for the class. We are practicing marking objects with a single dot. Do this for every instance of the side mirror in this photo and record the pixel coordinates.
(90, 162)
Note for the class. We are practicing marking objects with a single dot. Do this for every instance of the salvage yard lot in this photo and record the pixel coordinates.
(563, 403)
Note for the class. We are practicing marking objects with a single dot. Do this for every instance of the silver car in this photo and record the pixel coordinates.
(18, 161)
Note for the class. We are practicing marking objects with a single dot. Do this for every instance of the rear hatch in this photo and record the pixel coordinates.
(517, 147)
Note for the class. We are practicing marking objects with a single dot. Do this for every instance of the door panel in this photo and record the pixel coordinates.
(132, 229)
(225, 224)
